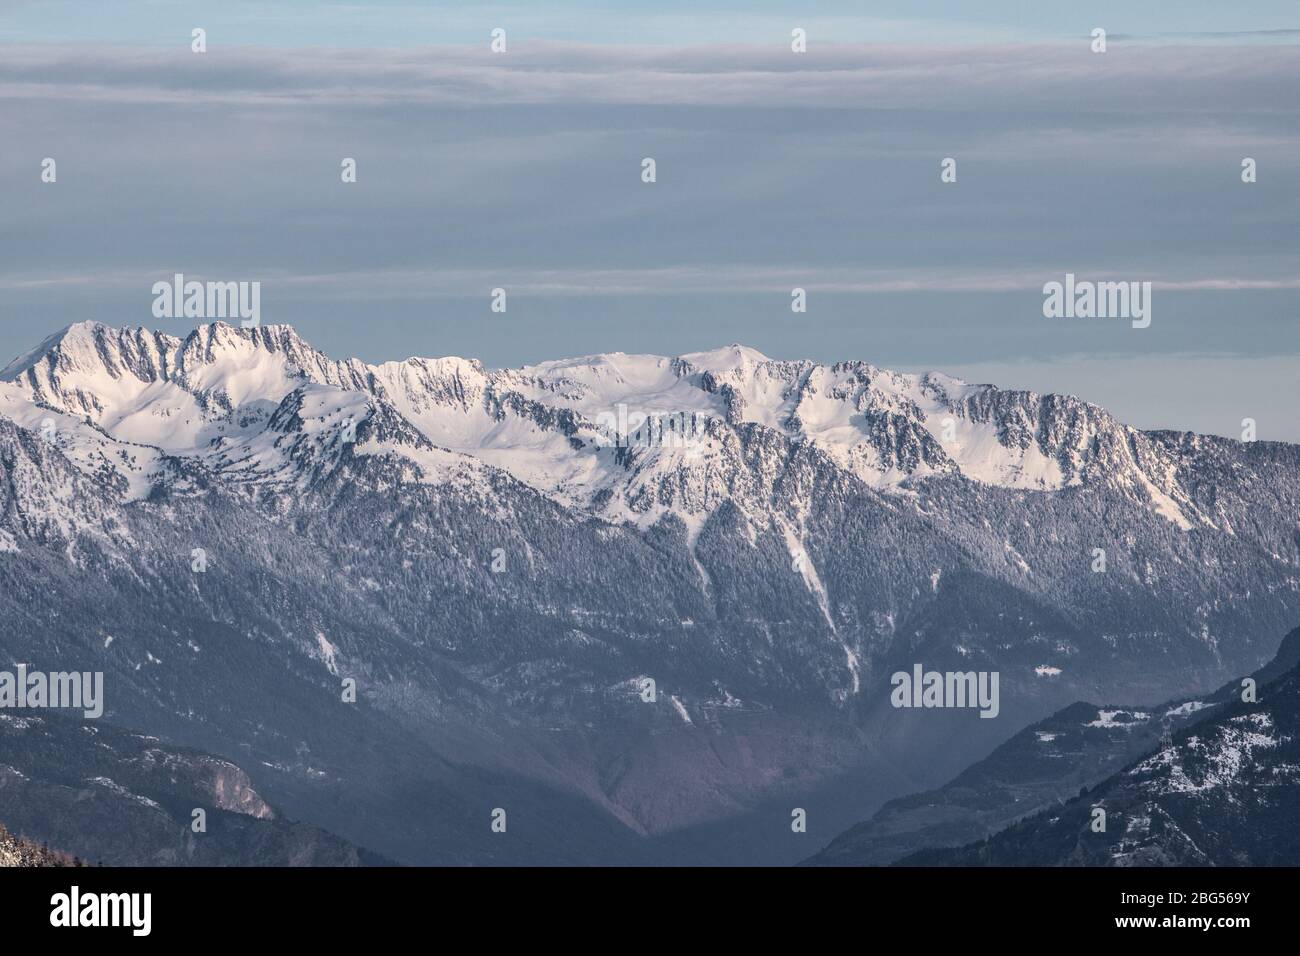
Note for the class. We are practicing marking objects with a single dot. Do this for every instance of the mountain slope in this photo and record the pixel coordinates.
(500, 558)
(1223, 791)
(124, 799)
(16, 851)
(1042, 765)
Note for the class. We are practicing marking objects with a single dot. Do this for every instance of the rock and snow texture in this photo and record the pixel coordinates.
(785, 534)
(125, 399)
(626, 439)
(327, 653)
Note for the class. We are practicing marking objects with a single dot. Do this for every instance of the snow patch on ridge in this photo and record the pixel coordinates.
(803, 565)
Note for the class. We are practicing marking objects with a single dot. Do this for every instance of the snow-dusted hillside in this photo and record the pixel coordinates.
(1221, 790)
(15, 851)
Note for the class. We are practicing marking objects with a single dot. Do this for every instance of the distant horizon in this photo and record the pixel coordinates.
(775, 170)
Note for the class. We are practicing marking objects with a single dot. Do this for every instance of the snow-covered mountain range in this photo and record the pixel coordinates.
(212, 397)
(500, 558)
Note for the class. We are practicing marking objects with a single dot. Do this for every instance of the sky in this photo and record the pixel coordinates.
(774, 170)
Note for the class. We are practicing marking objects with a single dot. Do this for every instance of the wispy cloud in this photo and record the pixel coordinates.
(775, 171)
(376, 285)
(1038, 77)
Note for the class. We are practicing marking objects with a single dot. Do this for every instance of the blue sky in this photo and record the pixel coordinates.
(774, 170)
(668, 22)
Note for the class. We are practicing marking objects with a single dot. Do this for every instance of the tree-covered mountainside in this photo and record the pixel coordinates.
(1043, 765)
(125, 799)
(1222, 791)
(17, 851)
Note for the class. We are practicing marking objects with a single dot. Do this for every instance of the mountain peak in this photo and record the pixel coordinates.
(733, 357)
(76, 333)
